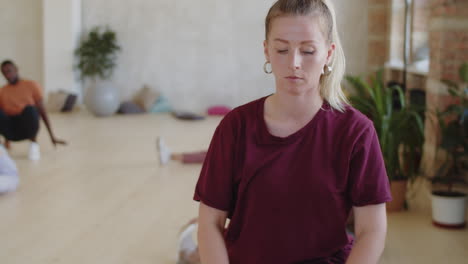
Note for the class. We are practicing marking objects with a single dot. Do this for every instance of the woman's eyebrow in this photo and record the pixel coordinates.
(303, 42)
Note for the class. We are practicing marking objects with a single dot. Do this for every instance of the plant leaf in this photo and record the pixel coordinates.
(464, 72)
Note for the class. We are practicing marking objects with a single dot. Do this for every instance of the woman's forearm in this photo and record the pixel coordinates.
(368, 248)
(211, 244)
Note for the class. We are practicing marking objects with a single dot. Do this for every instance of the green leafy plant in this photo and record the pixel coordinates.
(97, 54)
(400, 129)
(453, 125)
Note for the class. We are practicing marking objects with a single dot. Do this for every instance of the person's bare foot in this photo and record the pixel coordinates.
(177, 157)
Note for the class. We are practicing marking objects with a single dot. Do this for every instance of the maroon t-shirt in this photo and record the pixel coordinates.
(289, 198)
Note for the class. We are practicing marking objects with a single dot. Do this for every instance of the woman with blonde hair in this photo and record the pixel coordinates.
(289, 168)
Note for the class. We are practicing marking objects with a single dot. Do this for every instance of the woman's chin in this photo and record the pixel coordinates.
(297, 90)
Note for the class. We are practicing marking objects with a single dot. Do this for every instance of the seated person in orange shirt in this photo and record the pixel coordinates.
(20, 108)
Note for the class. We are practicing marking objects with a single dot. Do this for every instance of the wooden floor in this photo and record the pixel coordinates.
(104, 199)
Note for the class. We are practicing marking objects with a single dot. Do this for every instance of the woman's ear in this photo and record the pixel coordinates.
(265, 50)
(331, 49)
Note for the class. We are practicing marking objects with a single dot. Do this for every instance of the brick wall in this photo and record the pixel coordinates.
(420, 25)
(379, 28)
(386, 37)
(397, 29)
(448, 42)
(443, 24)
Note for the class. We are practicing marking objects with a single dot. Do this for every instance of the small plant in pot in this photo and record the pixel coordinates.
(97, 55)
(399, 127)
(449, 202)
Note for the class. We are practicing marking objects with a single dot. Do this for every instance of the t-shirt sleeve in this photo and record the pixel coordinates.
(36, 91)
(215, 184)
(368, 181)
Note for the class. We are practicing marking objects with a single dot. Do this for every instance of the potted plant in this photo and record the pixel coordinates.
(449, 204)
(96, 62)
(399, 127)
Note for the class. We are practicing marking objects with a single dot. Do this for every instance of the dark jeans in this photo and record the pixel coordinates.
(20, 127)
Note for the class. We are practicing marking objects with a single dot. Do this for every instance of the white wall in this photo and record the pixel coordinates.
(205, 52)
(197, 53)
(353, 28)
(21, 36)
(62, 31)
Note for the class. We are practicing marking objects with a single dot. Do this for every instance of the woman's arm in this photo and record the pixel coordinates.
(211, 243)
(371, 229)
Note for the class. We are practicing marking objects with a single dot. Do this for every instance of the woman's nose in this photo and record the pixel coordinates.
(295, 60)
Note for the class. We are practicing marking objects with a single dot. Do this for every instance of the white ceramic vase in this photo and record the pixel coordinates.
(102, 98)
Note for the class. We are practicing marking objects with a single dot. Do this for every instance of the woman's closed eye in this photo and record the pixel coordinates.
(285, 51)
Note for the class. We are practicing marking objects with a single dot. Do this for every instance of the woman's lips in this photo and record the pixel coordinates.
(293, 78)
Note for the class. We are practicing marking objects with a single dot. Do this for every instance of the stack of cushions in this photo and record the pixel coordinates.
(185, 115)
(61, 101)
(147, 100)
(218, 110)
(162, 105)
(130, 108)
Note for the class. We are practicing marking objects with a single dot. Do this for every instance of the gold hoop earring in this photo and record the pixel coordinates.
(265, 69)
(326, 70)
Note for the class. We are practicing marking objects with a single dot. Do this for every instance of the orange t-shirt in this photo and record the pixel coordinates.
(14, 98)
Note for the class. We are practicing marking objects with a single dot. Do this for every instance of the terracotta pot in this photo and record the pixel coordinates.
(398, 190)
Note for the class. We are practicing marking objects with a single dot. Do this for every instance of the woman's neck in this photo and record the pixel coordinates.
(300, 107)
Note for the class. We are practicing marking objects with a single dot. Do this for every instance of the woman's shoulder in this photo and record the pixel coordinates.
(356, 116)
(250, 107)
(350, 119)
(244, 112)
